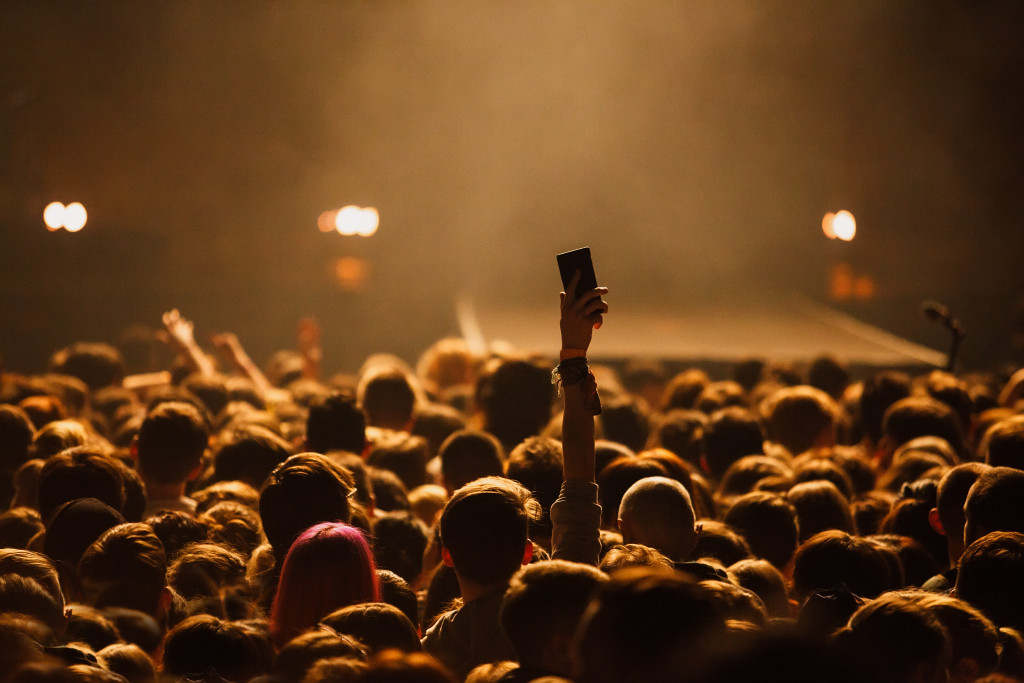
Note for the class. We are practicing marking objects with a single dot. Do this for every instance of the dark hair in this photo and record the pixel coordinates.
(435, 422)
(878, 392)
(632, 555)
(1003, 443)
(79, 472)
(615, 479)
(94, 363)
(820, 506)
(403, 454)
(989, 577)
(624, 420)
(994, 503)
(335, 423)
(377, 625)
(249, 453)
(767, 582)
(797, 416)
(544, 600)
(125, 567)
(768, 522)
(470, 454)
(399, 540)
(719, 541)
(484, 526)
(744, 474)
(387, 396)
(730, 434)
(172, 440)
(680, 431)
(536, 463)
(916, 416)
(515, 395)
(203, 641)
(176, 530)
(834, 556)
(201, 570)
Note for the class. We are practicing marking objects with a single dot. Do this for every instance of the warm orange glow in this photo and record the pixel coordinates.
(844, 225)
(325, 222)
(864, 287)
(351, 272)
(75, 217)
(348, 220)
(826, 225)
(53, 216)
(841, 282)
(369, 220)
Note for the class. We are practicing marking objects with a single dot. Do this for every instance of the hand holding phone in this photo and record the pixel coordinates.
(582, 306)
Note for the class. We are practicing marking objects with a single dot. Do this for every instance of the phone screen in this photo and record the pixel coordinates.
(577, 259)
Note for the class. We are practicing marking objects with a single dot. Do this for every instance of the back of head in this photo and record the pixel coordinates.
(329, 566)
(990, 577)
(299, 655)
(683, 389)
(951, 494)
(830, 375)
(744, 474)
(657, 512)
(128, 660)
(435, 422)
(916, 416)
(172, 440)
(58, 436)
(633, 555)
(820, 506)
(79, 473)
(96, 364)
(682, 432)
(731, 433)
(800, 418)
(125, 567)
(484, 526)
(536, 463)
(545, 602)
(768, 523)
(336, 423)
(377, 625)
(973, 638)
(834, 557)
(644, 625)
(469, 454)
(387, 396)
(304, 490)
(767, 582)
(515, 396)
(994, 503)
(615, 479)
(878, 393)
(1003, 443)
(26, 596)
(249, 453)
(721, 542)
(895, 639)
(203, 642)
(403, 454)
(624, 420)
(16, 433)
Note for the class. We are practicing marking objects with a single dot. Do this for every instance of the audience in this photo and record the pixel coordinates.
(450, 524)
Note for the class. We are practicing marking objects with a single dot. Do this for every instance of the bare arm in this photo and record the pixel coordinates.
(309, 347)
(227, 343)
(180, 336)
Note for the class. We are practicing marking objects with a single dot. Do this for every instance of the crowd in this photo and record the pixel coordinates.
(506, 518)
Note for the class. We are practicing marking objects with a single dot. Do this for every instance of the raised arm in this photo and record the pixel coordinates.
(180, 336)
(576, 515)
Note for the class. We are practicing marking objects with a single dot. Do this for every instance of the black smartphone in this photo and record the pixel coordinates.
(577, 259)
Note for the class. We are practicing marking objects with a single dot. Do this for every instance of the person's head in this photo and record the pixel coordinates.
(304, 490)
(515, 396)
(96, 364)
(683, 389)
(399, 540)
(18, 526)
(393, 666)
(730, 434)
(171, 443)
(916, 416)
(829, 374)
(330, 565)
(202, 642)
(335, 422)
(248, 453)
(718, 541)
(233, 526)
(126, 567)
(403, 454)
(542, 608)
(719, 395)
(299, 654)
(895, 640)
(212, 390)
(128, 660)
(435, 422)
(177, 529)
(377, 625)
(1003, 443)
(878, 392)
(834, 556)
(973, 638)
(202, 570)
(16, 432)
(990, 577)
(947, 518)
(388, 397)
(744, 474)
(536, 463)
(35, 566)
(25, 596)
(484, 530)
(624, 420)
(765, 581)
(801, 418)
(633, 555)
(79, 472)
(644, 625)
(820, 506)
(768, 523)
(657, 512)
(680, 431)
(615, 479)
(445, 364)
(468, 455)
(995, 502)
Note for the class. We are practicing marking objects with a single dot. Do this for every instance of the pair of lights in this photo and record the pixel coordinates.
(71, 217)
(350, 220)
(840, 225)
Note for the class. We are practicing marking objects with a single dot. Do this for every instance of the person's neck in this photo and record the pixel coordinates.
(158, 491)
(474, 591)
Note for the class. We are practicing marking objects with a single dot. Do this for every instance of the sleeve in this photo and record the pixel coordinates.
(576, 523)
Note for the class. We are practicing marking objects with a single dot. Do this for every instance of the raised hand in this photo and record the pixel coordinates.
(581, 316)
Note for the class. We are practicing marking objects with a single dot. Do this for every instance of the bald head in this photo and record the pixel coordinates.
(657, 512)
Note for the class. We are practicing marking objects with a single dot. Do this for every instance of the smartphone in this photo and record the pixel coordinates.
(577, 259)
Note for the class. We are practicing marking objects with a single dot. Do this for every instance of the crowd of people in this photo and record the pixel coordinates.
(506, 517)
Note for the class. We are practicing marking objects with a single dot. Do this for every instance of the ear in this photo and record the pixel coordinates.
(446, 557)
(935, 522)
(164, 602)
(528, 552)
(133, 449)
(704, 464)
(196, 471)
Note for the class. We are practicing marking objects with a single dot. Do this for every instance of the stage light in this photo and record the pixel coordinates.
(369, 220)
(75, 217)
(351, 273)
(844, 225)
(326, 221)
(826, 225)
(348, 220)
(53, 216)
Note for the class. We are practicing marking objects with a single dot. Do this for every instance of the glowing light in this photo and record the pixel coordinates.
(844, 225)
(53, 216)
(369, 220)
(75, 217)
(326, 221)
(352, 273)
(826, 225)
(348, 220)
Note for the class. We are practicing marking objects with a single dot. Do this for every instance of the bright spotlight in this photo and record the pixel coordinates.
(53, 216)
(325, 222)
(826, 225)
(75, 217)
(844, 225)
(348, 220)
(369, 220)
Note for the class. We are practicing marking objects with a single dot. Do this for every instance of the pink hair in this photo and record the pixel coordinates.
(329, 566)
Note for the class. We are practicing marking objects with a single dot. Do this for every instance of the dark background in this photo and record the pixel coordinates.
(694, 146)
